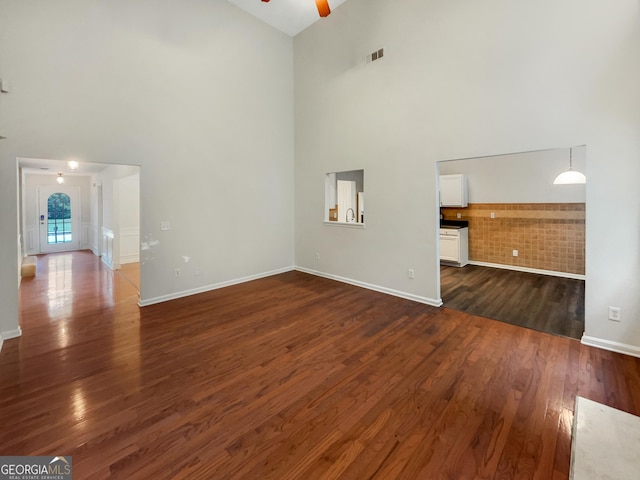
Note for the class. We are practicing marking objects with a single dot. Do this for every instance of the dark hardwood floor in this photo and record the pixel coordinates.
(288, 377)
(541, 302)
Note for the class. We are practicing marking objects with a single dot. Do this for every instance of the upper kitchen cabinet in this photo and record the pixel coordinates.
(453, 191)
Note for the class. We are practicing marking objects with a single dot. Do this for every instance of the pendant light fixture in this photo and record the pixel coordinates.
(60, 179)
(323, 7)
(571, 176)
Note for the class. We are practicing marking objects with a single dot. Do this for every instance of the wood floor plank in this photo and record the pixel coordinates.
(291, 376)
(541, 302)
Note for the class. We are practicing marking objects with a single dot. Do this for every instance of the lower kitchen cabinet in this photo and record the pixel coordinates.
(454, 246)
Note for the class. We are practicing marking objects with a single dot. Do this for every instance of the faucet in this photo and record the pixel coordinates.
(353, 215)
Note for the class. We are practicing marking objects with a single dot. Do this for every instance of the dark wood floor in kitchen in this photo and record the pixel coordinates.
(288, 377)
(541, 302)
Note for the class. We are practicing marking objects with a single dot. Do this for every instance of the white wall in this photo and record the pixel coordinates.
(109, 178)
(521, 177)
(466, 79)
(198, 93)
(117, 237)
(129, 219)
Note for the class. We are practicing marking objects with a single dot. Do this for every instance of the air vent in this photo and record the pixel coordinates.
(378, 54)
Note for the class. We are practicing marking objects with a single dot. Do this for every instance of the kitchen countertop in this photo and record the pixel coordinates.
(454, 223)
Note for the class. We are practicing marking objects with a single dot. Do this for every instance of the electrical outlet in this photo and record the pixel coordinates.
(615, 314)
(178, 273)
(515, 253)
(458, 215)
(164, 226)
(493, 215)
(411, 273)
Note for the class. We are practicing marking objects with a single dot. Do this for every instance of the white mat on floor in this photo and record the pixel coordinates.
(605, 444)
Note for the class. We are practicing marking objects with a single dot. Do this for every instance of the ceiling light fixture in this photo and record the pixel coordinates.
(60, 179)
(73, 165)
(323, 7)
(571, 176)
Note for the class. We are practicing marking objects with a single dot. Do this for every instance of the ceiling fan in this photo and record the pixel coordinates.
(323, 7)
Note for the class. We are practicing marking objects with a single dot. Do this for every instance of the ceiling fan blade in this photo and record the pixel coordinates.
(323, 7)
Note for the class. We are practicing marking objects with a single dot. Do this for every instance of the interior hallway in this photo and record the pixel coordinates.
(291, 376)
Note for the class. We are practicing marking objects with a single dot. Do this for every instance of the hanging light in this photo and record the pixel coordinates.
(571, 176)
(60, 179)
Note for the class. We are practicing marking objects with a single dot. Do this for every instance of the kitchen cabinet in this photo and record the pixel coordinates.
(454, 246)
(453, 190)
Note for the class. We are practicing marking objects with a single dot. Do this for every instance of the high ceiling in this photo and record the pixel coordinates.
(288, 16)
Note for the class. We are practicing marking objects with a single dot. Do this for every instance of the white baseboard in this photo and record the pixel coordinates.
(377, 288)
(553, 273)
(133, 258)
(9, 334)
(208, 288)
(617, 347)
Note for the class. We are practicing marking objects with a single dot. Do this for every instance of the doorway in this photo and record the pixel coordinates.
(92, 203)
(526, 241)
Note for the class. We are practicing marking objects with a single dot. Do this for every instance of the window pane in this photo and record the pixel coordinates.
(59, 219)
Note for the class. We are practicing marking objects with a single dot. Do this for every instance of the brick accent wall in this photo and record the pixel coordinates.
(548, 236)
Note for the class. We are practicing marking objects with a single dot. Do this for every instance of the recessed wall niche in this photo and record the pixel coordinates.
(344, 197)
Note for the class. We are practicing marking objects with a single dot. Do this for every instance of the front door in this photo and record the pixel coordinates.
(59, 218)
